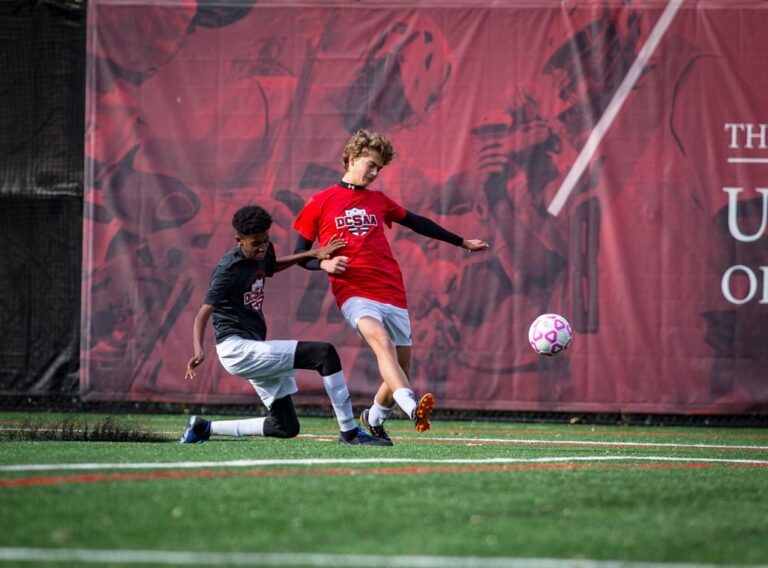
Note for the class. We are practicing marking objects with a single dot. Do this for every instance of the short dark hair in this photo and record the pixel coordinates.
(251, 219)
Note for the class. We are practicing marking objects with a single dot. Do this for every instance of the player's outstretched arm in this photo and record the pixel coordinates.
(320, 253)
(198, 335)
(428, 228)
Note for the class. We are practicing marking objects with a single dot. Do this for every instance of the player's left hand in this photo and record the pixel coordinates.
(475, 245)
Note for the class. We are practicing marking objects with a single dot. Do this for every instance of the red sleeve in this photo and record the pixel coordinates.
(393, 211)
(307, 222)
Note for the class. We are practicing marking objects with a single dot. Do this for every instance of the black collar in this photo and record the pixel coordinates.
(342, 183)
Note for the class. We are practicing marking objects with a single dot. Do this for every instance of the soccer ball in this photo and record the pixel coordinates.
(550, 334)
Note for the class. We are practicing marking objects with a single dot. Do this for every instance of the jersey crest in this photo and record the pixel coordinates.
(357, 221)
(255, 298)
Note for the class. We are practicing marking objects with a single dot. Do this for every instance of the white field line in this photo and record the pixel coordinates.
(592, 443)
(528, 441)
(533, 442)
(353, 462)
(182, 558)
(621, 94)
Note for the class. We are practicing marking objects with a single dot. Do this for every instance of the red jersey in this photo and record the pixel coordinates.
(359, 216)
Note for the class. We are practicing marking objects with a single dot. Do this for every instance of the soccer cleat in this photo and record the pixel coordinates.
(364, 439)
(422, 411)
(376, 431)
(198, 430)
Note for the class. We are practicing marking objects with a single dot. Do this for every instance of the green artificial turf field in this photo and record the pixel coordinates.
(464, 494)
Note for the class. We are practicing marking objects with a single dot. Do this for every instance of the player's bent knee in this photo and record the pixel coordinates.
(330, 359)
(317, 355)
(286, 429)
(282, 421)
(292, 430)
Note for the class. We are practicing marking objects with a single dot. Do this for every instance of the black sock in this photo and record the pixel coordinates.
(349, 434)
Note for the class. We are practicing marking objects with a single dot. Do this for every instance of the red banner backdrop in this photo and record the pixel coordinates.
(614, 154)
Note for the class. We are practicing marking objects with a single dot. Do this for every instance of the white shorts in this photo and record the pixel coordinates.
(395, 320)
(267, 365)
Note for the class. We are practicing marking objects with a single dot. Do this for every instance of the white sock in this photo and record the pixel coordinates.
(407, 400)
(247, 427)
(337, 390)
(378, 413)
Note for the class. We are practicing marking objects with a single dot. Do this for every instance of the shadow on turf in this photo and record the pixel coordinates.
(107, 430)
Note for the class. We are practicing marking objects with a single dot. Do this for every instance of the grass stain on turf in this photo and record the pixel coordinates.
(109, 429)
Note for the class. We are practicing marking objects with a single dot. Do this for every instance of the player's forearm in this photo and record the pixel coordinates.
(297, 258)
(428, 228)
(198, 328)
(303, 245)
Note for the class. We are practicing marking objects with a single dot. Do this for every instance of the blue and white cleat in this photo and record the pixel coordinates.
(198, 430)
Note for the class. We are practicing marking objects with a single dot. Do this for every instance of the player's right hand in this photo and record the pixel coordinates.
(332, 246)
(336, 265)
(194, 362)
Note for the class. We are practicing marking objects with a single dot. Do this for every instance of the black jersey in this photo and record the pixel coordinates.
(237, 294)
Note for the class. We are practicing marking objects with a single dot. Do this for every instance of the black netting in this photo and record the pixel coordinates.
(40, 294)
(42, 102)
(42, 92)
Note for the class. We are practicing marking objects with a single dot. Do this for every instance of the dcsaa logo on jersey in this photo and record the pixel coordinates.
(357, 221)
(255, 298)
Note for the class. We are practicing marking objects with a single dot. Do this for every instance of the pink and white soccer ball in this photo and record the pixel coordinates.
(550, 334)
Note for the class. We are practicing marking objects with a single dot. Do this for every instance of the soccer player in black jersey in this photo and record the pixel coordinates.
(235, 299)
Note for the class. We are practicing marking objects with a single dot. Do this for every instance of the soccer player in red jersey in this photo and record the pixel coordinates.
(365, 278)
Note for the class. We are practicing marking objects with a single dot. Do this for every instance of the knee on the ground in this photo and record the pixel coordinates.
(286, 429)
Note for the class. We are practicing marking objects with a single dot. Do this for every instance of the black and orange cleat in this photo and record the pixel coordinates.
(422, 411)
(376, 431)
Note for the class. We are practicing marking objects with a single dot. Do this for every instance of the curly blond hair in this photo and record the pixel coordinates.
(363, 141)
